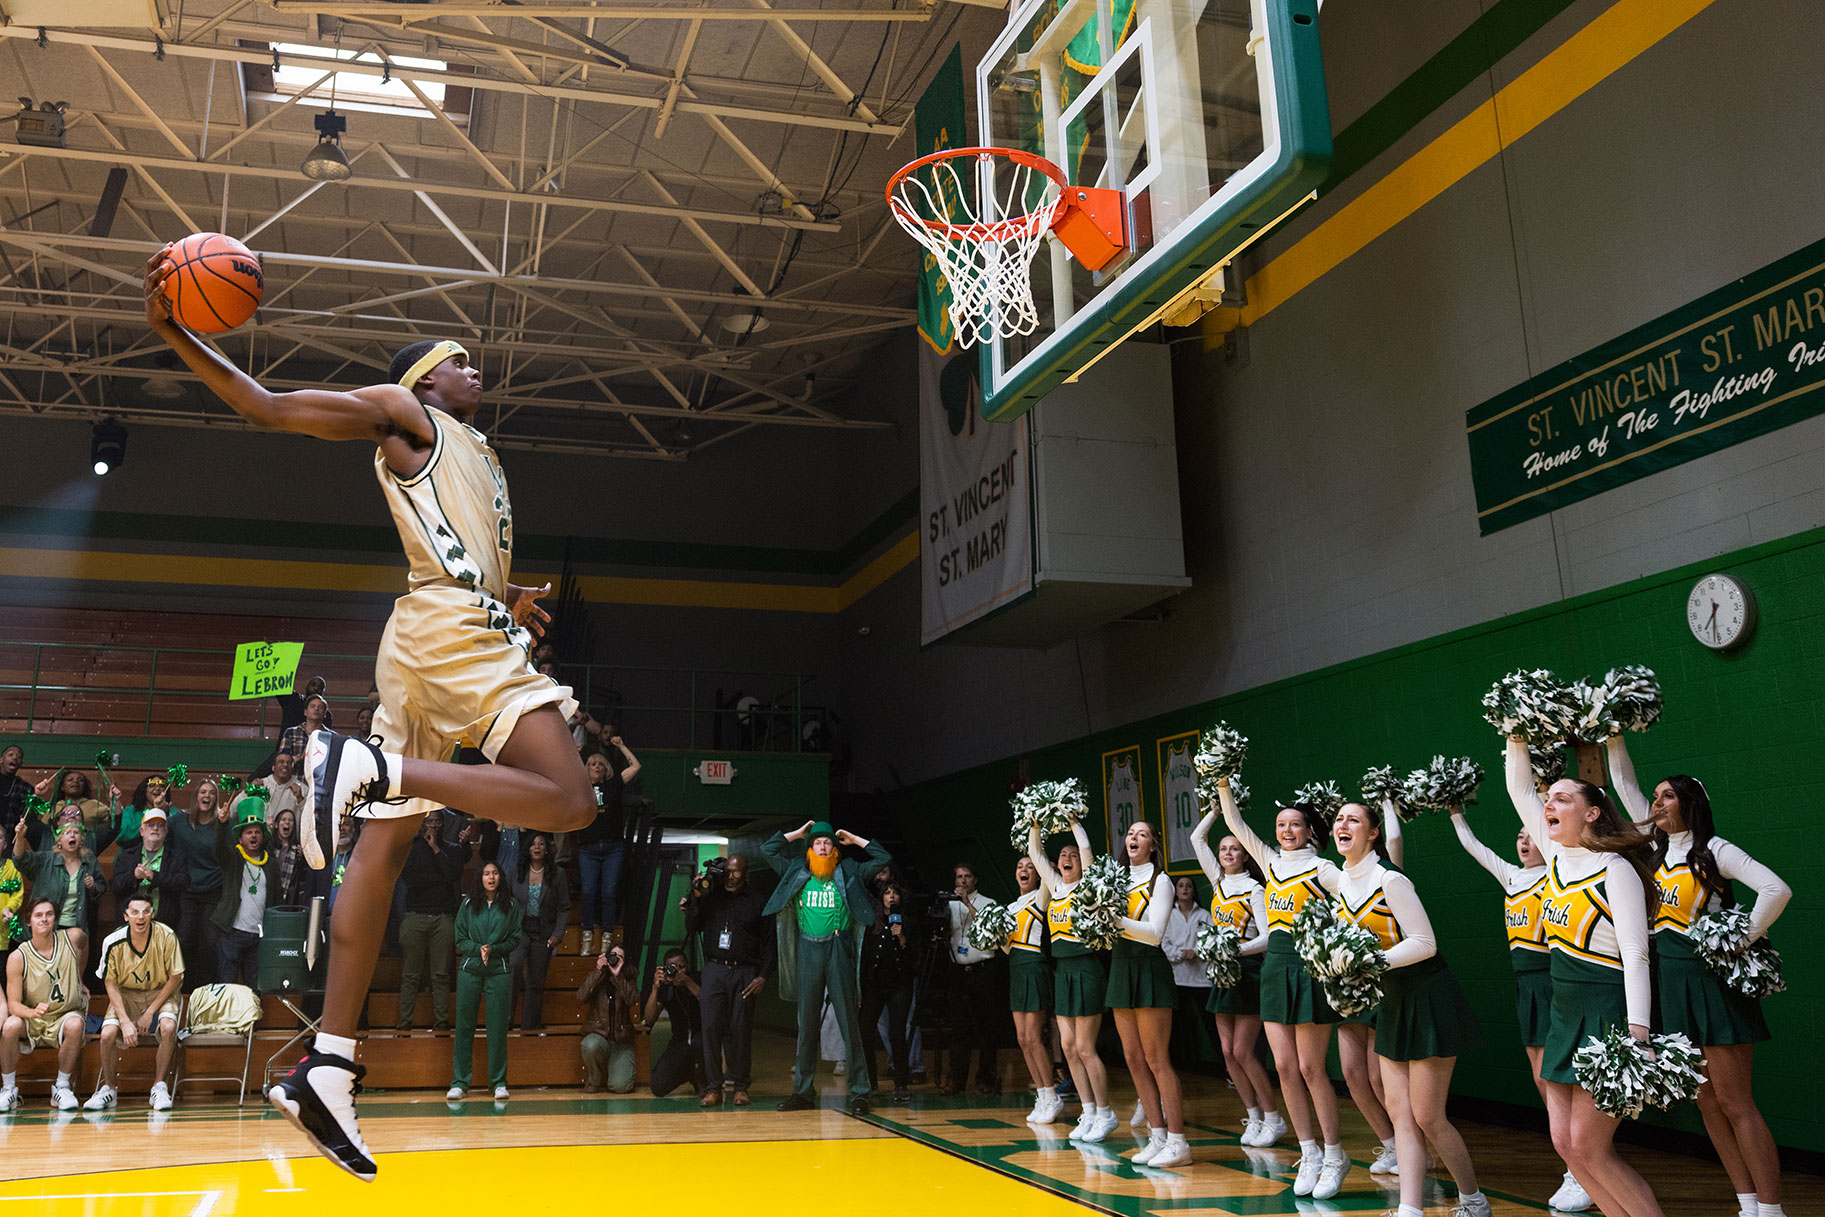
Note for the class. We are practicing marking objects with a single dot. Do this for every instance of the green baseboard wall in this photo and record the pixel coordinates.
(1750, 723)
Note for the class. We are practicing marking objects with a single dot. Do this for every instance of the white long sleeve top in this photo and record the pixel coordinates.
(1230, 892)
(1150, 926)
(1048, 874)
(1400, 921)
(1618, 940)
(1181, 936)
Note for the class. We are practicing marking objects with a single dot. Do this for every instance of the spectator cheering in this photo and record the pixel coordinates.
(142, 967)
(600, 845)
(64, 876)
(680, 993)
(295, 739)
(427, 935)
(195, 832)
(14, 790)
(739, 954)
(45, 1002)
(829, 902)
(892, 951)
(543, 891)
(487, 930)
(294, 874)
(976, 1001)
(155, 867)
(284, 786)
(611, 1007)
(250, 875)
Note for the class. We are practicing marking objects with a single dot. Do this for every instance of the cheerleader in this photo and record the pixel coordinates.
(1030, 987)
(1693, 871)
(1238, 898)
(1523, 886)
(1356, 1044)
(1077, 984)
(1423, 1022)
(1596, 912)
(1142, 995)
(1293, 1008)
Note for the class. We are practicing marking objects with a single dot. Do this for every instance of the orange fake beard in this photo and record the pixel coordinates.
(822, 867)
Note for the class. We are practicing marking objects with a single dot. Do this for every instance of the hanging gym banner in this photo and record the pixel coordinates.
(976, 545)
(1121, 795)
(1737, 363)
(1179, 800)
(938, 124)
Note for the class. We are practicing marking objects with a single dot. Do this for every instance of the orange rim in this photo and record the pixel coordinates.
(997, 230)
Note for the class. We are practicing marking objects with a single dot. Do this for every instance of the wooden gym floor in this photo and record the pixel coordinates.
(938, 1154)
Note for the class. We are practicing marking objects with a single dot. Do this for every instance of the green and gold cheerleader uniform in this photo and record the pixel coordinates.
(1077, 974)
(1029, 971)
(1595, 911)
(1423, 1011)
(1289, 995)
(1140, 975)
(1523, 888)
(1240, 902)
(1693, 1001)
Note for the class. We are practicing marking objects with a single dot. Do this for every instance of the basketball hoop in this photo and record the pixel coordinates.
(988, 258)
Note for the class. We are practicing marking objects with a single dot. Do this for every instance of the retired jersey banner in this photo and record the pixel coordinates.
(976, 547)
(1179, 800)
(1737, 363)
(1122, 796)
(938, 124)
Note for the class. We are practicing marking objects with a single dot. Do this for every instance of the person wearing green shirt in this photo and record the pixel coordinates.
(65, 876)
(488, 927)
(825, 905)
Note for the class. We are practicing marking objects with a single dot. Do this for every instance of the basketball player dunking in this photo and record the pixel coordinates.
(454, 667)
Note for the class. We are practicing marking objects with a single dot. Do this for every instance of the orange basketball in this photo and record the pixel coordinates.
(216, 285)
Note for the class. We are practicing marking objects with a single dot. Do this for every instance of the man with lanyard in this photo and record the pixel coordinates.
(976, 1009)
(249, 875)
(739, 957)
(154, 866)
(828, 903)
(142, 967)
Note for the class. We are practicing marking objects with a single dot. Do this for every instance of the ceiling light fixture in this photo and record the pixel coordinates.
(745, 323)
(108, 446)
(327, 162)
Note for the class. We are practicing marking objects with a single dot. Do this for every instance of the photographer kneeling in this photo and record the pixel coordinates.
(739, 953)
(678, 991)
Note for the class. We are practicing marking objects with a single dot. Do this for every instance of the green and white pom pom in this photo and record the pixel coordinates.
(1447, 782)
(1623, 1078)
(1632, 696)
(1381, 784)
(1220, 947)
(990, 928)
(1721, 940)
(1534, 706)
(1207, 793)
(1051, 805)
(1342, 956)
(1221, 750)
(1547, 763)
(1099, 902)
(1327, 797)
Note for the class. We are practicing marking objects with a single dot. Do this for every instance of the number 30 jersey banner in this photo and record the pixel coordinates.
(976, 539)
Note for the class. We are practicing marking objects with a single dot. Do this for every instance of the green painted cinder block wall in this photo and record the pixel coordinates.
(1749, 723)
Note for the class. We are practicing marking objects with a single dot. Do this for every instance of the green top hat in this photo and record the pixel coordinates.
(250, 813)
(820, 829)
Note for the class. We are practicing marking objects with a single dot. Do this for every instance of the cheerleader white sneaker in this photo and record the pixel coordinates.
(1385, 1162)
(1307, 1176)
(1105, 1123)
(1139, 1117)
(1273, 1127)
(1330, 1179)
(1176, 1152)
(1046, 1110)
(1251, 1128)
(1156, 1141)
(1085, 1123)
(1472, 1206)
(1571, 1196)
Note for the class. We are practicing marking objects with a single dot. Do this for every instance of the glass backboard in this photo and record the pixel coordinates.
(1210, 116)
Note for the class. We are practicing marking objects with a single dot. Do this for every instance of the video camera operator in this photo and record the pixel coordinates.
(740, 954)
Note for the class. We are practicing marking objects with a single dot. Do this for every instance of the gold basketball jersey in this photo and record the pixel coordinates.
(453, 515)
(52, 979)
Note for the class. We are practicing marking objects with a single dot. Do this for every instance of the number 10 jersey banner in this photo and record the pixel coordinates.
(1734, 364)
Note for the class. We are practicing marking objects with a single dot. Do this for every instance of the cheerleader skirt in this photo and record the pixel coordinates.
(1288, 993)
(1424, 1013)
(1244, 997)
(1533, 1000)
(1077, 985)
(1140, 978)
(1698, 1005)
(1029, 982)
(1582, 1006)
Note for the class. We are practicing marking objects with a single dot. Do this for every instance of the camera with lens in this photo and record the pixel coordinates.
(671, 969)
(937, 905)
(716, 869)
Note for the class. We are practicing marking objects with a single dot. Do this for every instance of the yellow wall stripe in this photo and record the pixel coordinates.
(1586, 59)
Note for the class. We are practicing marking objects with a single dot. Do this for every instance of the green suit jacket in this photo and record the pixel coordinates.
(787, 858)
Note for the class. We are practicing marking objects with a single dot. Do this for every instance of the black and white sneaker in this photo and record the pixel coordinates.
(341, 772)
(318, 1097)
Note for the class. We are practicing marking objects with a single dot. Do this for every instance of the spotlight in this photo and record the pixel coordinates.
(108, 446)
(327, 162)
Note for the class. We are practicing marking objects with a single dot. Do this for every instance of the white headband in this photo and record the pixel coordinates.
(431, 359)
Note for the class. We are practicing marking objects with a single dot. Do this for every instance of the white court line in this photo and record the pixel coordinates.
(205, 1204)
(208, 1198)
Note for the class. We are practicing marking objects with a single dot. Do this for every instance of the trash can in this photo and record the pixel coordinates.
(284, 934)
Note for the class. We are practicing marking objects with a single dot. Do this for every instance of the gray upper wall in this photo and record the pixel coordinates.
(1325, 478)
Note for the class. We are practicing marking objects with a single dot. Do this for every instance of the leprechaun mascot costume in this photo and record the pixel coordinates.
(826, 907)
(250, 881)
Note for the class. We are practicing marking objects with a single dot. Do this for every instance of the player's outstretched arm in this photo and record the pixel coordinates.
(371, 414)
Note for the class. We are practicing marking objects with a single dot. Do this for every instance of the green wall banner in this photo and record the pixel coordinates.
(938, 123)
(1737, 363)
(264, 669)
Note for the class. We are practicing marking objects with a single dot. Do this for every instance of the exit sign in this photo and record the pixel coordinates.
(715, 773)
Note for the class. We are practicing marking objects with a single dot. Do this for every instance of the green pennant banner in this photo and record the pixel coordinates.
(939, 123)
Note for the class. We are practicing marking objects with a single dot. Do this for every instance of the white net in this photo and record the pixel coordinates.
(985, 254)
